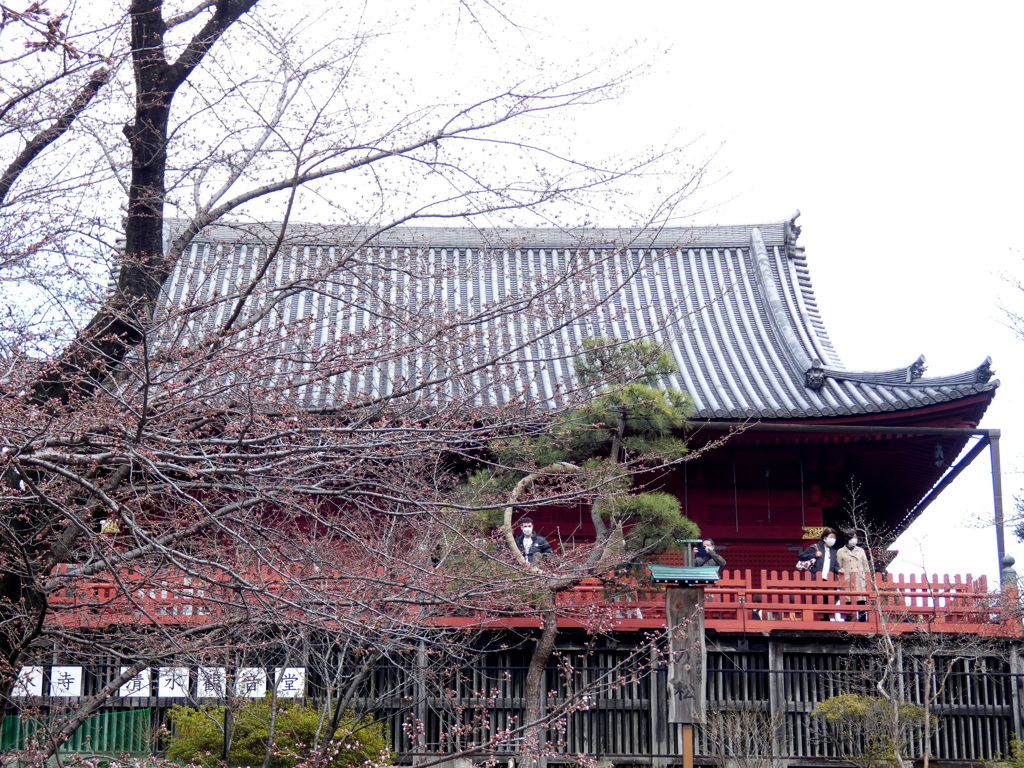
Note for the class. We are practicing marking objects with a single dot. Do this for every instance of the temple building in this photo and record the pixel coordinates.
(735, 307)
(784, 431)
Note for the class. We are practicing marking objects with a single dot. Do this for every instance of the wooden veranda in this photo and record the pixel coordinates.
(742, 601)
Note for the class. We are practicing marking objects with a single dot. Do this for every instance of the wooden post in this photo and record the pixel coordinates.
(684, 615)
(776, 702)
(1015, 697)
(660, 735)
(420, 705)
(687, 745)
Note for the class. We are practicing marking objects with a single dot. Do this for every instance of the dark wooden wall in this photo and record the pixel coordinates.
(625, 719)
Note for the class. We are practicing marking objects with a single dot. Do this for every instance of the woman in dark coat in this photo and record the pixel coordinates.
(823, 555)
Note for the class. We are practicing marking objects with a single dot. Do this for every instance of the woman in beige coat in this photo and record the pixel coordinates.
(854, 560)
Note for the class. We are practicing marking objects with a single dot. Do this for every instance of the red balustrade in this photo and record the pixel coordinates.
(782, 600)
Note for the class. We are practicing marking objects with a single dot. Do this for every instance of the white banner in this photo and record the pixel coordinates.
(251, 682)
(172, 682)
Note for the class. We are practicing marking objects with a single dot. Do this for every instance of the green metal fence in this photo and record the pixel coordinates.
(129, 731)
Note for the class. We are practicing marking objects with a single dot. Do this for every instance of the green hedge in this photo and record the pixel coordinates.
(198, 736)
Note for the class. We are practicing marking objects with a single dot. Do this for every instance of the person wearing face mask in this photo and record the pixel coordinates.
(532, 545)
(854, 560)
(706, 554)
(823, 556)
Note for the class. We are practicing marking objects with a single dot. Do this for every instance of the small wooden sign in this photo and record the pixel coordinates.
(684, 612)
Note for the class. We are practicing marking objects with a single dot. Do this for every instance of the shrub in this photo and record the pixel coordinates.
(862, 728)
(1014, 760)
(198, 736)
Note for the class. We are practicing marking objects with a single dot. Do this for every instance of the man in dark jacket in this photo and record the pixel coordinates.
(532, 545)
(823, 556)
(706, 554)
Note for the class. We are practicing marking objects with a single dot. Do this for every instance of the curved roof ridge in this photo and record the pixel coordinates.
(785, 330)
(800, 272)
(913, 375)
(530, 238)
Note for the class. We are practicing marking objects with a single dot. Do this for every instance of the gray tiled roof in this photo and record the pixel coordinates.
(734, 305)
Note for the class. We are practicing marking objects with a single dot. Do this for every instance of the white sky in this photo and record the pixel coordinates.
(896, 128)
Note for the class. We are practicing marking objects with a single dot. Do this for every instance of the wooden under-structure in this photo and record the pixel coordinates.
(781, 678)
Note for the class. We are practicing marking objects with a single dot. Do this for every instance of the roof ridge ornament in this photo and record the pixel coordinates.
(792, 233)
(982, 376)
(916, 369)
(983, 373)
(814, 377)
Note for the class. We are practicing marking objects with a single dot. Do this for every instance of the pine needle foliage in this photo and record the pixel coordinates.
(630, 424)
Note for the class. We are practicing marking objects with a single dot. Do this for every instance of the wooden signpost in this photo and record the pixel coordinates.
(684, 614)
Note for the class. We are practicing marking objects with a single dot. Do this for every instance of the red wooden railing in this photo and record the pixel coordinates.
(790, 600)
(782, 600)
(894, 603)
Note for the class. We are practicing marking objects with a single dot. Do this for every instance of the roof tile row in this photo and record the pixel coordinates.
(733, 305)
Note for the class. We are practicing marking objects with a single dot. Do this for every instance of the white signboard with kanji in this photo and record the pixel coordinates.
(291, 682)
(211, 683)
(139, 687)
(29, 683)
(172, 683)
(66, 682)
(251, 682)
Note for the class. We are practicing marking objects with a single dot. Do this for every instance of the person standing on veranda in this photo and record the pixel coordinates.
(705, 554)
(824, 562)
(822, 555)
(533, 546)
(854, 560)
